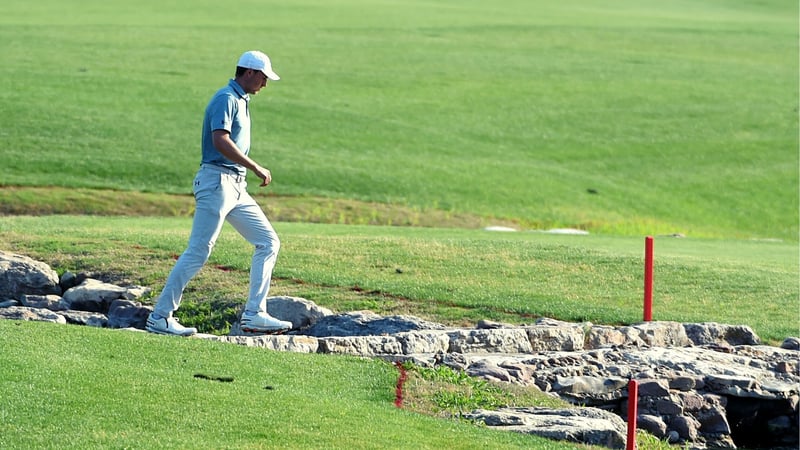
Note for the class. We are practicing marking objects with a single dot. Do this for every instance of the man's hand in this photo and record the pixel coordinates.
(225, 145)
(264, 174)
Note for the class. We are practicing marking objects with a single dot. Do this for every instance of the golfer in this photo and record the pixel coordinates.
(220, 192)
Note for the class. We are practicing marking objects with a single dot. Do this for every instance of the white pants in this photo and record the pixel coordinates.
(221, 195)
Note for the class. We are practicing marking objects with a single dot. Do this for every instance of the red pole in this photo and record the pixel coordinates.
(633, 401)
(648, 278)
(398, 393)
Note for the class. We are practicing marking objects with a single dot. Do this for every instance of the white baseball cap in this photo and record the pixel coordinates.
(256, 60)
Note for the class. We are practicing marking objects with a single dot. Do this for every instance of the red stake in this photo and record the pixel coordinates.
(633, 401)
(648, 278)
(398, 392)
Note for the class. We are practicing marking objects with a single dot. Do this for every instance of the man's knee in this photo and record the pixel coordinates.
(199, 253)
(270, 245)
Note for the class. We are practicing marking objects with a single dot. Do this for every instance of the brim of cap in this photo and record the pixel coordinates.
(271, 75)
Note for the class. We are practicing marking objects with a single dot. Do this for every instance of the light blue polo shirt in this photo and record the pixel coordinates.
(227, 110)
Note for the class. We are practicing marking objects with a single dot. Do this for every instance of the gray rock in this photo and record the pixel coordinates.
(490, 371)
(673, 436)
(86, 318)
(51, 302)
(34, 314)
(588, 390)
(791, 343)
(413, 342)
(455, 361)
(484, 324)
(360, 345)
(666, 406)
(20, 275)
(68, 280)
(710, 333)
(281, 343)
(713, 421)
(519, 373)
(653, 388)
(682, 383)
(367, 323)
(685, 426)
(584, 425)
(93, 296)
(127, 313)
(779, 389)
(663, 334)
(301, 312)
(653, 425)
(502, 340)
(601, 336)
(136, 292)
(786, 367)
(562, 337)
(500, 418)
(729, 384)
(691, 401)
(714, 400)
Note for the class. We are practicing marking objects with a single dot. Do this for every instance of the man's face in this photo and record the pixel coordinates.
(254, 80)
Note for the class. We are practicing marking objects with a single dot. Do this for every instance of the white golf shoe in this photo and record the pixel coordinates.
(168, 325)
(263, 323)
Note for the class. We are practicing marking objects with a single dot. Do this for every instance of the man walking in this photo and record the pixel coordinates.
(220, 192)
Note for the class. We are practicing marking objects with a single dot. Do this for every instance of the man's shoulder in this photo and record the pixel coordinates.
(224, 91)
(224, 96)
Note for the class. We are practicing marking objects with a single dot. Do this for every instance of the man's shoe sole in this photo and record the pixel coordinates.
(251, 330)
(167, 333)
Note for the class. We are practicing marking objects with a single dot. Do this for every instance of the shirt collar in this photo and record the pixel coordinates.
(238, 89)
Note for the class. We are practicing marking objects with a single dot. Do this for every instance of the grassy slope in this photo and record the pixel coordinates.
(142, 393)
(683, 116)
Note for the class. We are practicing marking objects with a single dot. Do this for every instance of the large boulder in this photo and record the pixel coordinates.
(710, 333)
(301, 312)
(554, 335)
(20, 275)
(93, 296)
(583, 425)
(127, 313)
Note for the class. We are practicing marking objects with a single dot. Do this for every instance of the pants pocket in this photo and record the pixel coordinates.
(206, 183)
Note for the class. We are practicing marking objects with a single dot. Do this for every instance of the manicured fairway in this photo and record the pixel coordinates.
(680, 116)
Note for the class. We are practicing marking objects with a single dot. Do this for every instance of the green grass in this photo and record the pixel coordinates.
(451, 275)
(452, 393)
(80, 387)
(681, 115)
(627, 119)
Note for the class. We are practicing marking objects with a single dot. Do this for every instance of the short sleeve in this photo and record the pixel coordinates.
(222, 111)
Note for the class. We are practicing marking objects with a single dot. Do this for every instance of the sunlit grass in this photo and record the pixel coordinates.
(641, 117)
(82, 387)
(454, 276)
